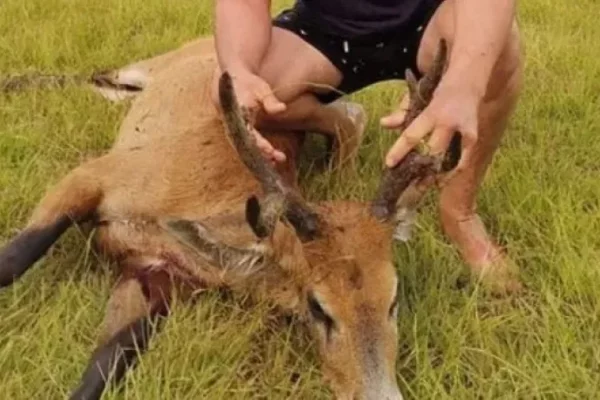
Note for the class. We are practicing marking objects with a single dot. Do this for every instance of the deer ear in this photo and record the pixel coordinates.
(263, 215)
(253, 218)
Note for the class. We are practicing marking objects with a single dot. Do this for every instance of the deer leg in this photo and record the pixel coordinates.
(72, 200)
(139, 300)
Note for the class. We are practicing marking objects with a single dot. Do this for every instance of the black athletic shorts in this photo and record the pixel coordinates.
(366, 59)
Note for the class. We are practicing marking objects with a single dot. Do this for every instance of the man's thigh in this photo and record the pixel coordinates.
(292, 66)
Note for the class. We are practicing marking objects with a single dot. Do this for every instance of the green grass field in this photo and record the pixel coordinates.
(540, 199)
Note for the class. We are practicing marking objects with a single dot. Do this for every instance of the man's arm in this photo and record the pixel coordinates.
(481, 30)
(242, 37)
(242, 33)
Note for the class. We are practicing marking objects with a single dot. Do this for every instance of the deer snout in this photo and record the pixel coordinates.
(381, 391)
(379, 373)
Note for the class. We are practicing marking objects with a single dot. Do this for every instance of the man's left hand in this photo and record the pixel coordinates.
(453, 108)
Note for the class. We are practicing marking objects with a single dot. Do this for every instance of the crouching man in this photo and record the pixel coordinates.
(320, 48)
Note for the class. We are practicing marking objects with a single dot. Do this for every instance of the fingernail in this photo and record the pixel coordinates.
(386, 122)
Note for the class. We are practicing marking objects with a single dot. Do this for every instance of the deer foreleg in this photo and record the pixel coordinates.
(138, 302)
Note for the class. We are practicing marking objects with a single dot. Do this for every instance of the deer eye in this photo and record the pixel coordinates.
(319, 314)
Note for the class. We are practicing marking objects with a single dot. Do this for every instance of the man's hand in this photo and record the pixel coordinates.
(256, 96)
(482, 28)
(453, 108)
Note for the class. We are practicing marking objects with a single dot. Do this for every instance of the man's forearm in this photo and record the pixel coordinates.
(482, 28)
(242, 33)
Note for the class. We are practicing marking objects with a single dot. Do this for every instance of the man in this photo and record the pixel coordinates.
(350, 44)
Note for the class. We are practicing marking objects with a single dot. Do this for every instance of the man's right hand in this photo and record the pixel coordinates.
(256, 95)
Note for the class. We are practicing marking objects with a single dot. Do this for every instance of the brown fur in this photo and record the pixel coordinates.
(173, 161)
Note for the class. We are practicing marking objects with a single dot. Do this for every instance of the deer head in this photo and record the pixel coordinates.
(331, 262)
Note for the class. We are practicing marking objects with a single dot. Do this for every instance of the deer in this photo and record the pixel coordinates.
(183, 201)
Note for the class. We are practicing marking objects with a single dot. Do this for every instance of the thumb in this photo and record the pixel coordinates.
(272, 104)
(269, 101)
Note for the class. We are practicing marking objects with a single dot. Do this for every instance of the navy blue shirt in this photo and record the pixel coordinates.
(359, 17)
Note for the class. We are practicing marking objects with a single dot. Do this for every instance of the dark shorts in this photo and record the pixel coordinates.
(367, 59)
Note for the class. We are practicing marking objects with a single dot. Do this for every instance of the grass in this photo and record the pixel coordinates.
(541, 198)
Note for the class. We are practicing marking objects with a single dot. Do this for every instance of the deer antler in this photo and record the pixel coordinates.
(415, 165)
(305, 221)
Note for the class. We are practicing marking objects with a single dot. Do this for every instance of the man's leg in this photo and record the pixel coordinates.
(458, 195)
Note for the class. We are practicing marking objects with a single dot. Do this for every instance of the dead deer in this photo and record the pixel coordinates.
(184, 201)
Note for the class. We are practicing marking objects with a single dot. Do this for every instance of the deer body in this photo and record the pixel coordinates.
(171, 158)
(183, 201)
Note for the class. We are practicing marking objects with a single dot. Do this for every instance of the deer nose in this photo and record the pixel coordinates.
(396, 396)
(382, 392)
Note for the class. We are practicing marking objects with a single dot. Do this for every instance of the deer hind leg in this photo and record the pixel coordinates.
(347, 122)
(72, 200)
(128, 81)
(141, 297)
(342, 123)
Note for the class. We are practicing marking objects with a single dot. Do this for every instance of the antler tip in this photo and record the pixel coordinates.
(225, 78)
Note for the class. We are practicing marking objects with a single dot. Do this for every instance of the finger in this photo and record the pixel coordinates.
(415, 132)
(279, 156)
(440, 140)
(263, 144)
(274, 156)
(393, 120)
(397, 117)
(272, 105)
(267, 148)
